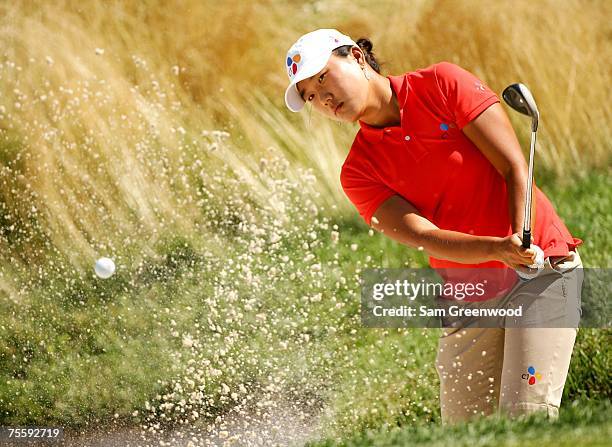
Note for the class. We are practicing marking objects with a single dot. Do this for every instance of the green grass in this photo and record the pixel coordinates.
(584, 205)
(79, 350)
(587, 424)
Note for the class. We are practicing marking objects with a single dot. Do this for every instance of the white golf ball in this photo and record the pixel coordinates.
(105, 267)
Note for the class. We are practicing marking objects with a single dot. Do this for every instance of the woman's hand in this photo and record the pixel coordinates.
(510, 250)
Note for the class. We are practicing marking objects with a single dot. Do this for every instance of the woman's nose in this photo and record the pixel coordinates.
(326, 98)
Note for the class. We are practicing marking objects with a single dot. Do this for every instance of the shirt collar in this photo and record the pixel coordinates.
(375, 134)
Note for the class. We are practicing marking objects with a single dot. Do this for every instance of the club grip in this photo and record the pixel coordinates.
(526, 238)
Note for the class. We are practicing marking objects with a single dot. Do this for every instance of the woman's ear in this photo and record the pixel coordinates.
(358, 55)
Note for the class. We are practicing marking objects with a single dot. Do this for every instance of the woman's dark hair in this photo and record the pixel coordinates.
(366, 46)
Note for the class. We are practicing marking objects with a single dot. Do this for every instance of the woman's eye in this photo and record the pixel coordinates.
(310, 97)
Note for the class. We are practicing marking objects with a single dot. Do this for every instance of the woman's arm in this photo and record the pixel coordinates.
(492, 133)
(401, 221)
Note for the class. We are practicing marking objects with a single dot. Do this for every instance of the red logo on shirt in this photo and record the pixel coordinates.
(444, 128)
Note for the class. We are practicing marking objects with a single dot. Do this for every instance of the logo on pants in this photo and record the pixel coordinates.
(531, 376)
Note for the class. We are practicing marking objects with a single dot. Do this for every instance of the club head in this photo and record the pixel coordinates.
(520, 99)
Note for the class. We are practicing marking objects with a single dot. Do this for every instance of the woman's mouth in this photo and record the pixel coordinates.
(338, 108)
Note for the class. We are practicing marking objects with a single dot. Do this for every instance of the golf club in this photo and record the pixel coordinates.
(520, 99)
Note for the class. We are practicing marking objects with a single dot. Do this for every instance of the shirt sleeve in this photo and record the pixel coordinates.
(365, 192)
(465, 95)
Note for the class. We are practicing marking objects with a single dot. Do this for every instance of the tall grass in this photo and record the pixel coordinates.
(102, 106)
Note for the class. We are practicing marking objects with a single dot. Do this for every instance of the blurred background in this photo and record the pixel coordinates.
(156, 133)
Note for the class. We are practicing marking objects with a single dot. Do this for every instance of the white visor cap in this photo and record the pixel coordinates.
(307, 57)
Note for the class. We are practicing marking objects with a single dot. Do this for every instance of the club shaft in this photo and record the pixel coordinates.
(527, 224)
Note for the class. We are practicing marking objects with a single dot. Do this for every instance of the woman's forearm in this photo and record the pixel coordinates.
(401, 221)
(459, 247)
(516, 185)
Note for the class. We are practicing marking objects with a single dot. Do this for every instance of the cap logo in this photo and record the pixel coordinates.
(293, 64)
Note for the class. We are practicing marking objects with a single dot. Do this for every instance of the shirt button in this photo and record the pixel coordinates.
(387, 130)
(407, 138)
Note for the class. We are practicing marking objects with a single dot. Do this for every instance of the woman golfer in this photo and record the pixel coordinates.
(436, 164)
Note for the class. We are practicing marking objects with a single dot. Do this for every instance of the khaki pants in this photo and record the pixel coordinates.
(508, 370)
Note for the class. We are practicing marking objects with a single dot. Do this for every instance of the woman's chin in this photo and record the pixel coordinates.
(344, 114)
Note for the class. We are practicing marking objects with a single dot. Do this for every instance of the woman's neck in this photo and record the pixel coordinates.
(384, 109)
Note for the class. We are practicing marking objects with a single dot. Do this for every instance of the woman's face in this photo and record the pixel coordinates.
(340, 83)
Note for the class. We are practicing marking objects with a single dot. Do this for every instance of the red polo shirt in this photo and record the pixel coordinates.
(431, 163)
